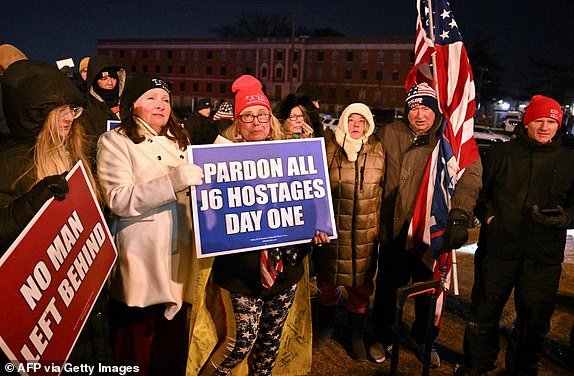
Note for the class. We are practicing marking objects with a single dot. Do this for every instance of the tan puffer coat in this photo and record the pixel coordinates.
(356, 189)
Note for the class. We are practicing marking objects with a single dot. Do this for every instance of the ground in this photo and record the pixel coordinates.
(332, 359)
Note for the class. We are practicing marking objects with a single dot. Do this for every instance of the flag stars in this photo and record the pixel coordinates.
(444, 34)
(445, 14)
(453, 24)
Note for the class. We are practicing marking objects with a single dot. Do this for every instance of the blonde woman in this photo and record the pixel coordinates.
(42, 110)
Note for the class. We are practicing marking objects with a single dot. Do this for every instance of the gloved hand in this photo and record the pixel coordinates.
(456, 231)
(560, 220)
(58, 185)
(53, 185)
(185, 175)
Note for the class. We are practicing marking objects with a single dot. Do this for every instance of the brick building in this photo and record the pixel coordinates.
(344, 69)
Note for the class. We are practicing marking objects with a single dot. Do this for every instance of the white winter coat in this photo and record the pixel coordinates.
(152, 224)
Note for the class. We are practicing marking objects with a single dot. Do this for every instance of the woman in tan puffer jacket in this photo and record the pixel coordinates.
(356, 170)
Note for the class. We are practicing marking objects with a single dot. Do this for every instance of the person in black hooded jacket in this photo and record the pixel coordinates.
(42, 107)
(525, 206)
(106, 81)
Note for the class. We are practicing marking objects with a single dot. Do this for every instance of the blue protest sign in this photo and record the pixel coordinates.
(257, 195)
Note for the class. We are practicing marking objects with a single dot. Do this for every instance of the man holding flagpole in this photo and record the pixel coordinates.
(433, 176)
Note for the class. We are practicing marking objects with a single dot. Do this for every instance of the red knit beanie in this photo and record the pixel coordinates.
(248, 92)
(542, 107)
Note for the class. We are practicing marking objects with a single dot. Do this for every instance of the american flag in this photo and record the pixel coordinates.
(450, 74)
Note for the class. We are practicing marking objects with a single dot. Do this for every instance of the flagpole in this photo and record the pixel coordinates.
(454, 268)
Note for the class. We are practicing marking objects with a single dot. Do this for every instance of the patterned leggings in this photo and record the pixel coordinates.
(254, 324)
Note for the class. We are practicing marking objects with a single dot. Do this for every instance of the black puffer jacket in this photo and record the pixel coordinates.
(517, 175)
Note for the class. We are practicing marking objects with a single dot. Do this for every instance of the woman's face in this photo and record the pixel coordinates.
(154, 108)
(66, 116)
(357, 124)
(295, 121)
(254, 123)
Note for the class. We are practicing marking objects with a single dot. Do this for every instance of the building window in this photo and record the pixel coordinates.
(248, 70)
(170, 54)
(223, 54)
(412, 57)
(144, 54)
(333, 73)
(157, 69)
(182, 54)
(332, 93)
(362, 95)
(182, 69)
(349, 55)
(222, 88)
(157, 54)
(335, 55)
(237, 71)
(379, 75)
(238, 55)
(319, 74)
(134, 54)
(363, 74)
(144, 68)
(364, 57)
(347, 92)
(182, 87)
(222, 70)
(395, 76)
(170, 69)
(133, 68)
(378, 95)
(264, 72)
(294, 72)
(397, 58)
(279, 55)
(209, 54)
(295, 55)
(348, 73)
(279, 73)
(122, 53)
(209, 70)
(196, 54)
(380, 57)
(208, 87)
(195, 87)
(320, 55)
(249, 55)
(265, 54)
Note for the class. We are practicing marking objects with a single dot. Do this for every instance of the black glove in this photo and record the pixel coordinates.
(559, 219)
(456, 231)
(58, 185)
(54, 185)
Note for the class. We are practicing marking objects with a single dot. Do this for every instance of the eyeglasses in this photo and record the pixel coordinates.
(295, 117)
(76, 111)
(249, 118)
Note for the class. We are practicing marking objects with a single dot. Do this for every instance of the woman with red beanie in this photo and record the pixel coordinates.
(256, 288)
(525, 206)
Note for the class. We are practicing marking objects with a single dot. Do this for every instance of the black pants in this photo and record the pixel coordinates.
(396, 269)
(535, 288)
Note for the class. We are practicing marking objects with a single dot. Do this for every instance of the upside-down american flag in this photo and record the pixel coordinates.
(450, 74)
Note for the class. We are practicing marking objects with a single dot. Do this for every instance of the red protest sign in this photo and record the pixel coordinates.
(52, 275)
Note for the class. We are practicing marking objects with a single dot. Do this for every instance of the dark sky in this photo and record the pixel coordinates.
(53, 30)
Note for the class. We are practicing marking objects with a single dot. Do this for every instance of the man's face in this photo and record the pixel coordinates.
(107, 82)
(421, 119)
(542, 129)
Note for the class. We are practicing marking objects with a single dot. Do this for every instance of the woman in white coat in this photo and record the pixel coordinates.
(145, 174)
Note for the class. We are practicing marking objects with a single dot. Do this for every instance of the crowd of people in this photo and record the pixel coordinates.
(156, 309)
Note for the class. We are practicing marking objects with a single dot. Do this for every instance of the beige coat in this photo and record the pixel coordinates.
(356, 189)
(151, 224)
